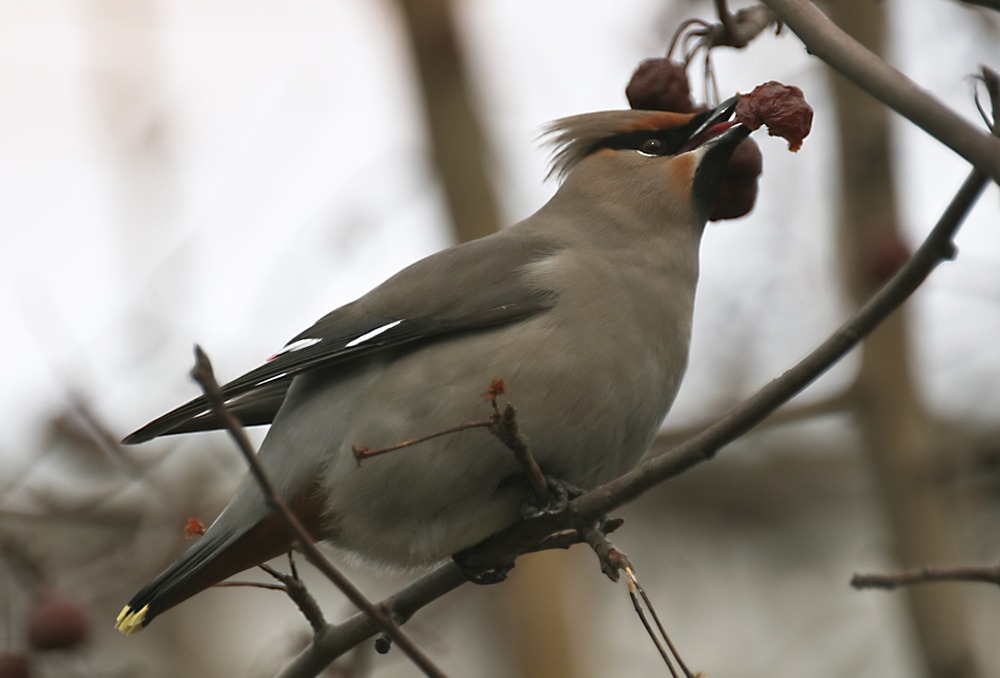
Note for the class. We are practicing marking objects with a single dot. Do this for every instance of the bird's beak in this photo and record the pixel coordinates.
(716, 126)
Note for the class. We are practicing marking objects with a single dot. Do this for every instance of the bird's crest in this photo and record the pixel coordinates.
(574, 138)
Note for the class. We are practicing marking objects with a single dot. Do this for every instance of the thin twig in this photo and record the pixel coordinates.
(683, 33)
(664, 654)
(295, 589)
(614, 561)
(611, 559)
(507, 431)
(633, 582)
(502, 424)
(985, 573)
(203, 374)
(361, 452)
(790, 413)
(248, 585)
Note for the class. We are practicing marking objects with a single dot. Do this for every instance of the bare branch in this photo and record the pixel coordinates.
(361, 452)
(505, 428)
(295, 589)
(612, 560)
(739, 29)
(502, 424)
(337, 640)
(923, 575)
(635, 592)
(248, 585)
(823, 39)
(788, 414)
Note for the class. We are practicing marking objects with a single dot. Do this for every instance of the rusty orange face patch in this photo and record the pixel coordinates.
(681, 171)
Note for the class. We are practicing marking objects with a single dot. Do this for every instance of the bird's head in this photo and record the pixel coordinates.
(654, 159)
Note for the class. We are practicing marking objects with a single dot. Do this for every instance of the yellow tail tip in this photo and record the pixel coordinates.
(129, 622)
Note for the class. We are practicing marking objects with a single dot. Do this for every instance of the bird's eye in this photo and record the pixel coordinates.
(652, 146)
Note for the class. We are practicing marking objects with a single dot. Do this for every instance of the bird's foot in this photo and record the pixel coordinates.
(477, 575)
(561, 493)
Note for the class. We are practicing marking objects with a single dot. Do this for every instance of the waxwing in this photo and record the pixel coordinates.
(583, 309)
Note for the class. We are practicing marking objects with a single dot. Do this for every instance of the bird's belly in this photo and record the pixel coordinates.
(425, 501)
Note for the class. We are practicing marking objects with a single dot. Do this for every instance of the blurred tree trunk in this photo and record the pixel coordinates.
(127, 83)
(127, 88)
(544, 639)
(897, 434)
(536, 628)
(456, 136)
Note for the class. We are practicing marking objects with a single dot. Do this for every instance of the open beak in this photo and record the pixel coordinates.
(717, 126)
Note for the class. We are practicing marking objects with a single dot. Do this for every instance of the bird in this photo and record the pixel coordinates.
(584, 310)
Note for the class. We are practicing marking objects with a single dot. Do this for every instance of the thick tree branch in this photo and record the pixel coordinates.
(823, 39)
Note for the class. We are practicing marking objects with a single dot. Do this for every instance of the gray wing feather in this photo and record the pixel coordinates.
(472, 286)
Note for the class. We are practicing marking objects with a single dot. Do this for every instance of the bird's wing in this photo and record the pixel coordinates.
(473, 286)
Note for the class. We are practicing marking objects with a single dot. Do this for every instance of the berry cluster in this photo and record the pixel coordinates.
(660, 84)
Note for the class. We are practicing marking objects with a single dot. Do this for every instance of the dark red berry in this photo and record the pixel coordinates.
(660, 84)
(13, 665)
(56, 623)
(885, 257)
(781, 107)
(738, 191)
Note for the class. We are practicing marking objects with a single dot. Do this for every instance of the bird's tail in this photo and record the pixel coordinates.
(217, 555)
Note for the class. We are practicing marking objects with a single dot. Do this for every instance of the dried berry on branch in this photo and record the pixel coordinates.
(781, 108)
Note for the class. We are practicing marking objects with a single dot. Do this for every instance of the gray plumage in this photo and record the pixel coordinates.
(583, 309)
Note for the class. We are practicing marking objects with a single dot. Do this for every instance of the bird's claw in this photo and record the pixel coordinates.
(561, 493)
(492, 575)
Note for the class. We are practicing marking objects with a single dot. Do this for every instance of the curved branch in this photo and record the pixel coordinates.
(823, 39)
(504, 546)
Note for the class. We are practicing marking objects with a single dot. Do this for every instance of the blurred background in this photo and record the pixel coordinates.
(226, 172)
